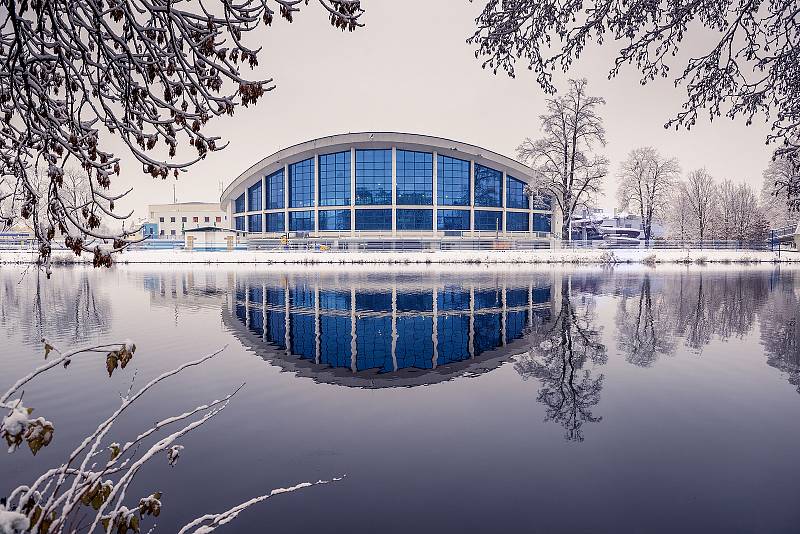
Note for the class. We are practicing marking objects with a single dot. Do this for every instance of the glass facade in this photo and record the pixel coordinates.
(408, 219)
(373, 219)
(515, 194)
(254, 223)
(334, 220)
(275, 190)
(238, 205)
(452, 220)
(542, 222)
(414, 178)
(254, 197)
(452, 181)
(373, 177)
(349, 188)
(301, 221)
(334, 179)
(517, 221)
(489, 220)
(488, 187)
(301, 184)
(276, 222)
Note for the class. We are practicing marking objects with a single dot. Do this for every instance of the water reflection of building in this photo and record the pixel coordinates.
(387, 331)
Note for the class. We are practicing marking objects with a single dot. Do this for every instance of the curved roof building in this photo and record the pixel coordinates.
(382, 183)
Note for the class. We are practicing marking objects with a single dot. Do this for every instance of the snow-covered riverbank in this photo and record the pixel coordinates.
(556, 256)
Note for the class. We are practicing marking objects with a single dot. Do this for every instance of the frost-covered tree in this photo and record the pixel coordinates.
(677, 217)
(738, 215)
(644, 325)
(748, 68)
(565, 163)
(701, 196)
(646, 181)
(148, 73)
(780, 193)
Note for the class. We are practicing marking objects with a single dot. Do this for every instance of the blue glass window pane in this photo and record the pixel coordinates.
(373, 177)
(452, 188)
(238, 204)
(334, 179)
(489, 220)
(373, 219)
(276, 296)
(414, 219)
(517, 297)
(254, 197)
(239, 222)
(515, 193)
(335, 340)
(517, 222)
(452, 219)
(301, 221)
(487, 298)
(414, 342)
(452, 298)
(541, 295)
(276, 222)
(301, 296)
(541, 222)
(275, 191)
(515, 324)
(255, 320)
(452, 338)
(407, 302)
(334, 220)
(374, 343)
(487, 332)
(301, 184)
(488, 187)
(375, 302)
(254, 223)
(303, 335)
(414, 178)
(276, 329)
(334, 300)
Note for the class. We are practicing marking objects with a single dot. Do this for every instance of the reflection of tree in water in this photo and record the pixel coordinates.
(644, 325)
(780, 327)
(65, 307)
(561, 349)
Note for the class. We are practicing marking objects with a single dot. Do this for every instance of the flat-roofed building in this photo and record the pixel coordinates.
(172, 219)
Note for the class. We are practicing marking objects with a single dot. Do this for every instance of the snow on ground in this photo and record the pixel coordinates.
(559, 256)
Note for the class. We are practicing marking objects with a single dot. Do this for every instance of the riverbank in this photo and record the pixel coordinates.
(551, 256)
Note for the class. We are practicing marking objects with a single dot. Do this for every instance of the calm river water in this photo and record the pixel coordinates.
(464, 399)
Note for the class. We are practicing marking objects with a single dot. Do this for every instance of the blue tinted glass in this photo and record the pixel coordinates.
(515, 193)
(255, 320)
(303, 335)
(254, 223)
(334, 220)
(541, 295)
(301, 184)
(541, 222)
(414, 342)
(276, 296)
(301, 221)
(334, 179)
(239, 222)
(488, 186)
(517, 297)
(414, 219)
(487, 298)
(374, 343)
(238, 204)
(276, 328)
(452, 338)
(254, 197)
(515, 324)
(488, 220)
(414, 178)
(373, 177)
(301, 296)
(373, 219)
(452, 219)
(452, 187)
(368, 301)
(414, 302)
(517, 221)
(335, 341)
(452, 298)
(334, 300)
(487, 332)
(275, 191)
(276, 222)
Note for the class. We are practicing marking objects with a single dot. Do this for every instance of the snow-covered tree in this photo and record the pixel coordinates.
(678, 217)
(738, 215)
(780, 193)
(701, 197)
(150, 73)
(565, 163)
(646, 182)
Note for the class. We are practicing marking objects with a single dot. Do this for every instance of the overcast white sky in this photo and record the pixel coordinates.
(415, 73)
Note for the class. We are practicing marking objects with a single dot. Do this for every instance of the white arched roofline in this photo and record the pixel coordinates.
(361, 140)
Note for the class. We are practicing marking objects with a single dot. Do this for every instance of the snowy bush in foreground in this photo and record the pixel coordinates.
(88, 492)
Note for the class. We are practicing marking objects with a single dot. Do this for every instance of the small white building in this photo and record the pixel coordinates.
(206, 238)
(172, 219)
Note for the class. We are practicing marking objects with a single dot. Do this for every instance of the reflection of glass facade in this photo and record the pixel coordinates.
(334, 179)
(386, 330)
(429, 189)
(373, 177)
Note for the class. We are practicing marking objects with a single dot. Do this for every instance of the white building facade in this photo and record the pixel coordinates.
(388, 184)
(172, 219)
